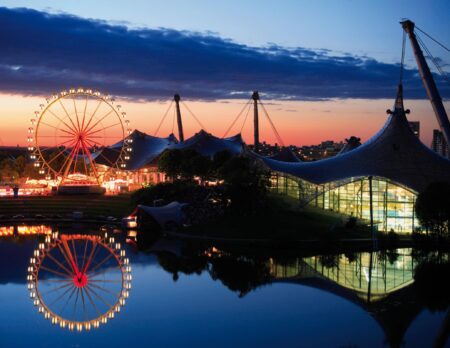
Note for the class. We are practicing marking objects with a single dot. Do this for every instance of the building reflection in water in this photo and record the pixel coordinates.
(369, 275)
(382, 283)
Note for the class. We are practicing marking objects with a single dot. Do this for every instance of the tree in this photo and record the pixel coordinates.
(170, 163)
(245, 184)
(8, 170)
(184, 164)
(433, 208)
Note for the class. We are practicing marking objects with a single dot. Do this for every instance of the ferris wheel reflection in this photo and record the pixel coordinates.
(79, 281)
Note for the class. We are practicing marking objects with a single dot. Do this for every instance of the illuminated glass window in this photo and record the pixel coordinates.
(392, 204)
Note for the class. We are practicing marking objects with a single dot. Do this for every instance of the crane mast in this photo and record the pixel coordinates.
(428, 81)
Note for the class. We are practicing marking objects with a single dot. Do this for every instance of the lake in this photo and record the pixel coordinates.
(103, 288)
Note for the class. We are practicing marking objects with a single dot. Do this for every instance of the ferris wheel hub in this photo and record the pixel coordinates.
(80, 280)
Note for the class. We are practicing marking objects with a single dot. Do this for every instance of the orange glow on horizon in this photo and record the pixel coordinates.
(297, 122)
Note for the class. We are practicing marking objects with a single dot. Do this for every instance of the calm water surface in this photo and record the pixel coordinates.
(210, 296)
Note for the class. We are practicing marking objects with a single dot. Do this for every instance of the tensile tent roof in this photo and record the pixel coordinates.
(394, 153)
(146, 150)
(208, 145)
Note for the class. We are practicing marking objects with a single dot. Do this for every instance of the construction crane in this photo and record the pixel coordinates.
(428, 81)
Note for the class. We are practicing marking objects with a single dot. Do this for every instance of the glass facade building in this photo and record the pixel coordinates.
(392, 204)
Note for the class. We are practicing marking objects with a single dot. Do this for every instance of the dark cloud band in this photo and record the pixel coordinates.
(43, 53)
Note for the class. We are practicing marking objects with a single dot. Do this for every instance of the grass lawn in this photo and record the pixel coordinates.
(90, 205)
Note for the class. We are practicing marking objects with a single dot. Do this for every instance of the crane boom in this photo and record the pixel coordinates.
(428, 81)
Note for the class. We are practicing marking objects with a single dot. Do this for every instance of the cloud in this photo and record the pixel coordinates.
(42, 53)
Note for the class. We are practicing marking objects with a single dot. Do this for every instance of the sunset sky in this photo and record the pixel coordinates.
(326, 70)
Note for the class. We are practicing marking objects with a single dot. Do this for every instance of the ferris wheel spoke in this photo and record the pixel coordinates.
(68, 299)
(60, 129)
(105, 281)
(59, 297)
(76, 113)
(92, 302)
(54, 158)
(75, 303)
(105, 290)
(85, 253)
(84, 112)
(54, 136)
(93, 143)
(84, 304)
(91, 161)
(106, 137)
(63, 143)
(87, 173)
(86, 266)
(59, 264)
(68, 259)
(87, 130)
(100, 263)
(62, 121)
(71, 257)
(76, 155)
(55, 280)
(57, 288)
(68, 161)
(101, 154)
(54, 272)
(92, 116)
(68, 116)
(75, 253)
(99, 296)
(103, 128)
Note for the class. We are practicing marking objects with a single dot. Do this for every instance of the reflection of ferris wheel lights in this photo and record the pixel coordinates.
(87, 281)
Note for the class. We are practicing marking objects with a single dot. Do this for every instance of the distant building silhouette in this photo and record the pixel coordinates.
(415, 127)
(439, 144)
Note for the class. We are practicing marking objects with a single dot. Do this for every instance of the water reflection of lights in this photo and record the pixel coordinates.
(79, 281)
(34, 229)
(25, 230)
(6, 231)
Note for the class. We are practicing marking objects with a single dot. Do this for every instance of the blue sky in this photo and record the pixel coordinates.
(344, 54)
(293, 51)
(363, 27)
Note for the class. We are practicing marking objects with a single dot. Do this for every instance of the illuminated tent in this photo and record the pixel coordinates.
(394, 153)
(208, 145)
(146, 149)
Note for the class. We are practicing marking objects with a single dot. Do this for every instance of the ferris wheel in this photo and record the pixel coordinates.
(79, 281)
(69, 135)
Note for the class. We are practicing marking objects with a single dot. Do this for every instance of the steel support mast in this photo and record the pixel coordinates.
(428, 81)
(176, 98)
